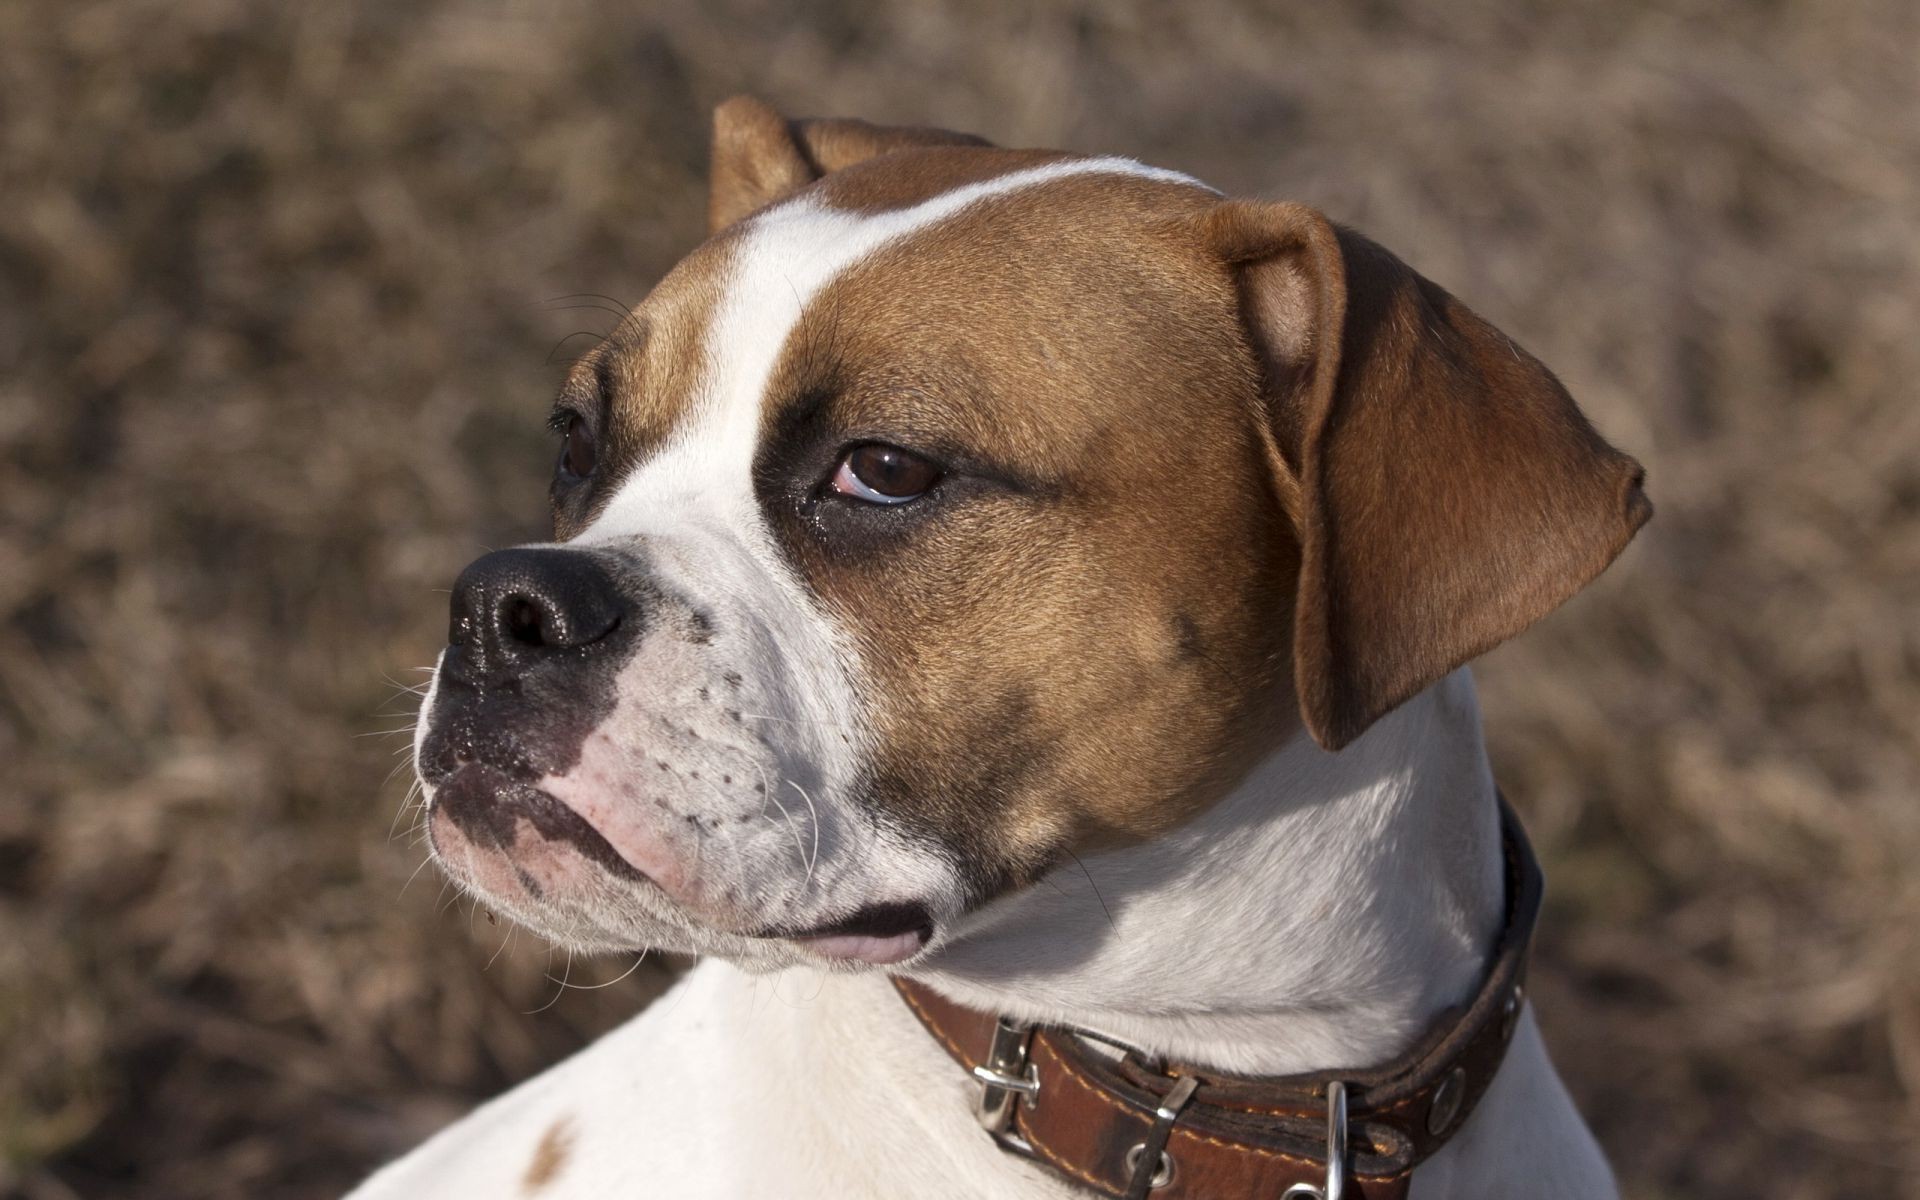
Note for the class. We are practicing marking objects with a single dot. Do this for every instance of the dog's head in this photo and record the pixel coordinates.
(953, 509)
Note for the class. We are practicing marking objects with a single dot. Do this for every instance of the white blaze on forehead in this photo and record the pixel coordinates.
(785, 258)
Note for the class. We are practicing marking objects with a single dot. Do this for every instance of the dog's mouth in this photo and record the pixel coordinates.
(880, 934)
(512, 831)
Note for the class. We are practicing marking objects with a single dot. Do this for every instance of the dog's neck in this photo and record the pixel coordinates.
(1319, 917)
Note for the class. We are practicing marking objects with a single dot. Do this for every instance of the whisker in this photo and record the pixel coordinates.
(594, 987)
(799, 847)
(591, 307)
(563, 341)
(814, 814)
(411, 802)
(513, 931)
(561, 990)
(624, 306)
(416, 689)
(414, 876)
(1096, 890)
(765, 791)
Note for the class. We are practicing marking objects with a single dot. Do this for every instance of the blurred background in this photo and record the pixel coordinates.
(283, 294)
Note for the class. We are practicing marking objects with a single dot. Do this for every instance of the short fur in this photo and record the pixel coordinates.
(1230, 496)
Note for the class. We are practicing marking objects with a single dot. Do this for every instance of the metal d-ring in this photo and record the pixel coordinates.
(1336, 1186)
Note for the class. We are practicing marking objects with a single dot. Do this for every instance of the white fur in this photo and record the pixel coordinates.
(1317, 918)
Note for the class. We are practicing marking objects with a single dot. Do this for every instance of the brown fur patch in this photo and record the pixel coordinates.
(549, 1157)
(1075, 642)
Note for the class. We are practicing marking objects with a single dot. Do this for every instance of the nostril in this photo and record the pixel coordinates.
(512, 608)
(523, 621)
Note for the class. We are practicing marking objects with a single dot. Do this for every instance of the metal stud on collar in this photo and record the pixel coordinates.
(1336, 1186)
(1446, 1102)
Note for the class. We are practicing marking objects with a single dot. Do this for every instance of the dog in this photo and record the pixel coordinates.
(1023, 593)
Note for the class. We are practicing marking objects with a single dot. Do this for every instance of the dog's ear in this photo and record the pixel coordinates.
(1445, 490)
(760, 156)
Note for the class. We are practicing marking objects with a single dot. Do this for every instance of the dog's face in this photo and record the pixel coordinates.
(952, 513)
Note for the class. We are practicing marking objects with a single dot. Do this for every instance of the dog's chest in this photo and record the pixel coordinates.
(732, 1085)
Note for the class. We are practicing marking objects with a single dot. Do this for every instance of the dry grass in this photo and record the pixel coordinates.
(274, 319)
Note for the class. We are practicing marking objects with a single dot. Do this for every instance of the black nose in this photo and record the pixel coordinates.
(512, 608)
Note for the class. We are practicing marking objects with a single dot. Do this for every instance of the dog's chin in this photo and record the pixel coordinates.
(529, 854)
(594, 928)
(534, 862)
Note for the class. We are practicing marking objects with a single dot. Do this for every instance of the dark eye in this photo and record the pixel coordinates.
(577, 455)
(881, 474)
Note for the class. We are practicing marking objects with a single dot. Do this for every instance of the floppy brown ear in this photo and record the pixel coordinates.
(760, 156)
(1446, 491)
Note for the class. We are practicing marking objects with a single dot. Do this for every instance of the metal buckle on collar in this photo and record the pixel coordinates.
(1336, 1186)
(1006, 1074)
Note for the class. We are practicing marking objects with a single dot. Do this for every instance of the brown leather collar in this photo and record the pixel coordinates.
(1122, 1125)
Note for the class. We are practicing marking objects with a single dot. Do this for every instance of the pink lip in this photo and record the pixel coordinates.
(881, 933)
(866, 948)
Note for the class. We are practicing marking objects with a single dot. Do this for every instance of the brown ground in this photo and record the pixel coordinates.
(277, 294)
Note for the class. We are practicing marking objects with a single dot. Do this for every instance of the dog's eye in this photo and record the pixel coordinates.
(577, 456)
(883, 474)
